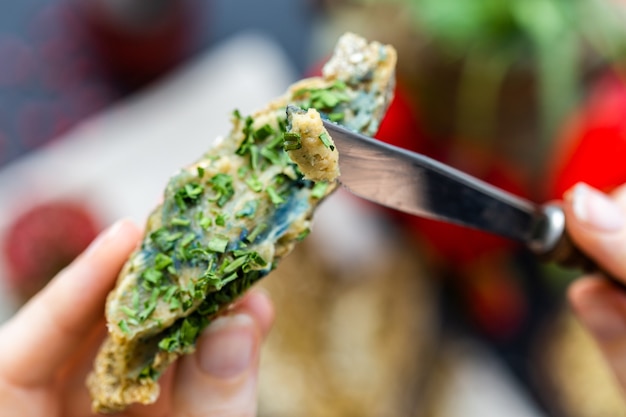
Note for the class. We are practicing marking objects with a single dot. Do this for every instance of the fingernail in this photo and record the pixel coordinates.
(109, 233)
(605, 322)
(596, 209)
(228, 345)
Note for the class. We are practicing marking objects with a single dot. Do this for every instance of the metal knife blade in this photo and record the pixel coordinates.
(419, 185)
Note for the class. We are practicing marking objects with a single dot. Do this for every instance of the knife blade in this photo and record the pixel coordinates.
(413, 183)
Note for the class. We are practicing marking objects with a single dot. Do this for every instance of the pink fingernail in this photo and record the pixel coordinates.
(596, 209)
(228, 346)
(109, 233)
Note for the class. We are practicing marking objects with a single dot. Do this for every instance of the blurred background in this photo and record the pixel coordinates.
(379, 314)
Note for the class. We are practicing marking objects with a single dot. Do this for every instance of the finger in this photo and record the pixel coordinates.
(47, 330)
(597, 223)
(221, 377)
(601, 307)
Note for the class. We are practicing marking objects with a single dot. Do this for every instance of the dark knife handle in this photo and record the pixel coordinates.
(563, 250)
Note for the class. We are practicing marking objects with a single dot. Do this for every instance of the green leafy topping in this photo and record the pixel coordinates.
(237, 114)
(272, 155)
(205, 222)
(248, 139)
(242, 171)
(254, 157)
(149, 373)
(164, 240)
(129, 312)
(222, 185)
(123, 326)
(221, 218)
(324, 98)
(274, 196)
(292, 141)
(187, 239)
(327, 141)
(255, 184)
(303, 234)
(188, 194)
(152, 276)
(179, 221)
(218, 243)
(162, 261)
(200, 172)
(230, 267)
(319, 189)
(258, 229)
(184, 335)
(263, 132)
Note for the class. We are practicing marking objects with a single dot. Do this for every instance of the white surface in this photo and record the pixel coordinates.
(119, 161)
(482, 387)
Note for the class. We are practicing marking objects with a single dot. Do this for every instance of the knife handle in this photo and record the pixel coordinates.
(567, 254)
(562, 249)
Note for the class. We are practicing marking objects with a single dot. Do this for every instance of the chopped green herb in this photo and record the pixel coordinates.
(327, 141)
(169, 293)
(259, 228)
(254, 157)
(319, 189)
(174, 303)
(188, 194)
(187, 239)
(179, 221)
(255, 184)
(272, 155)
(189, 331)
(234, 265)
(237, 114)
(303, 234)
(162, 261)
(228, 279)
(274, 196)
(242, 171)
(218, 243)
(152, 276)
(222, 184)
(205, 222)
(164, 240)
(292, 141)
(200, 172)
(128, 311)
(248, 140)
(149, 373)
(221, 218)
(263, 132)
(123, 326)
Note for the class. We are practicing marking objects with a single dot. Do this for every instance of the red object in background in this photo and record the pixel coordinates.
(44, 240)
(479, 260)
(454, 244)
(139, 40)
(592, 148)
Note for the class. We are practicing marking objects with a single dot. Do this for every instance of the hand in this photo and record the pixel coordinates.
(48, 347)
(597, 223)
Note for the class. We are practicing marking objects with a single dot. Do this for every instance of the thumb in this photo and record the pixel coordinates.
(597, 223)
(220, 378)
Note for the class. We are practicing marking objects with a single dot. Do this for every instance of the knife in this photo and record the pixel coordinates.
(416, 184)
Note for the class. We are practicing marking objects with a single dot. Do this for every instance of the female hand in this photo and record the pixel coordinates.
(48, 347)
(597, 223)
